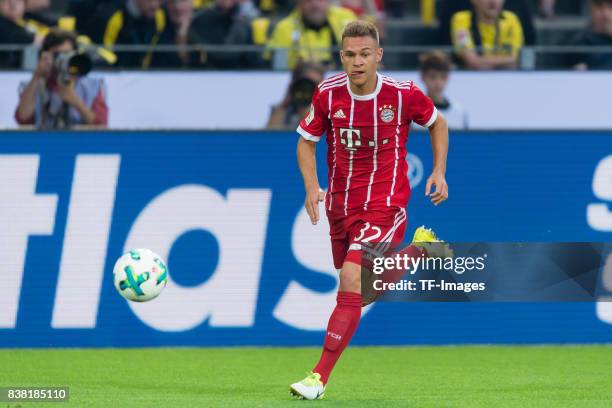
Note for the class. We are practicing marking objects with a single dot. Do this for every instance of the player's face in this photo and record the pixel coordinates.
(360, 57)
(489, 8)
(435, 82)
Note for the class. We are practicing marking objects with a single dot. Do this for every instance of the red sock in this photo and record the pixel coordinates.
(340, 329)
(394, 275)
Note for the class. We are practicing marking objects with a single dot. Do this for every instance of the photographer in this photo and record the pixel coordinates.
(295, 105)
(55, 98)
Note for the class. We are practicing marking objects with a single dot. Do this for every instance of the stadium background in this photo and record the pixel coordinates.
(246, 267)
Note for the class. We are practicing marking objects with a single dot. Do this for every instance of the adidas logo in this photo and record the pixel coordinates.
(339, 114)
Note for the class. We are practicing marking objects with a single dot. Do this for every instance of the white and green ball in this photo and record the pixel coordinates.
(140, 275)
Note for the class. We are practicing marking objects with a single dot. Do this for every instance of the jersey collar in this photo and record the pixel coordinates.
(379, 83)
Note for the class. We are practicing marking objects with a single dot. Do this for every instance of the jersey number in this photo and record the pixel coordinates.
(376, 233)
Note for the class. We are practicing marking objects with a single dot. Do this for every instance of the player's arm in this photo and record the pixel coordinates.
(306, 154)
(422, 111)
(438, 133)
(311, 129)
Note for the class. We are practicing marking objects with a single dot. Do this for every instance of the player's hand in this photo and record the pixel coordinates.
(313, 197)
(441, 192)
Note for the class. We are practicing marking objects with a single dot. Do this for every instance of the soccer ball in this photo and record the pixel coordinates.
(140, 275)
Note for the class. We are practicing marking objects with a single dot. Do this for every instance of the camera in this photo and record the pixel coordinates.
(70, 64)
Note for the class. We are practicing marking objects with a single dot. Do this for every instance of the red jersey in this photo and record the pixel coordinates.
(366, 137)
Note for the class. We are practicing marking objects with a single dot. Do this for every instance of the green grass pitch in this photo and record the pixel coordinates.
(472, 376)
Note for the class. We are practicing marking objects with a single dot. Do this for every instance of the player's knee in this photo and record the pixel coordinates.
(350, 278)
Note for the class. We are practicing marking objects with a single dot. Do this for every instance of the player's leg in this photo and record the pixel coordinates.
(345, 316)
(312, 387)
(377, 229)
(425, 244)
(363, 230)
(344, 319)
(342, 325)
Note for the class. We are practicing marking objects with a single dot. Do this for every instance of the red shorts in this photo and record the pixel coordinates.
(348, 233)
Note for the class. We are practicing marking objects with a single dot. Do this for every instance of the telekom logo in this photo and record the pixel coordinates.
(350, 138)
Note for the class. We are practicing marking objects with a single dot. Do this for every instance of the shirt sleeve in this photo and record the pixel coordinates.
(314, 124)
(461, 35)
(280, 38)
(517, 38)
(421, 109)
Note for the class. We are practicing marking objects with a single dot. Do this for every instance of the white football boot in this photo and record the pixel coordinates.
(310, 388)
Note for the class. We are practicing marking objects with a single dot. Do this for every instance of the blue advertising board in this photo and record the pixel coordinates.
(247, 268)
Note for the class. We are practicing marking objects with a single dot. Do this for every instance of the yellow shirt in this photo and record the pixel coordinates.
(306, 44)
(507, 42)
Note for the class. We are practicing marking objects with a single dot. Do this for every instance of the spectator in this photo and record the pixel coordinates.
(296, 103)
(395, 8)
(221, 24)
(280, 7)
(87, 15)
(309, 33)
(13, 32)
(598, 34)
(248, 4)
(181, 14)
(364, 8)
(199, 4)
(125, 22)
(488, 37)
(547, 8)
(180, 32)
(369, 10)
(54, 99)
(448, 8)
(84, 16)
(435, 69)
(248, 9)
(38, 5)
(14, 29)
(249, 29)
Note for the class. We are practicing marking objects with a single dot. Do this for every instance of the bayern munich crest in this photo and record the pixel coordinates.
(387, 113)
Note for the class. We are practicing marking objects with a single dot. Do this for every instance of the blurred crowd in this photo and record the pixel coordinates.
(242, 34)
(64, 39)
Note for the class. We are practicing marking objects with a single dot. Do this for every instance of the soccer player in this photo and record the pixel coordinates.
(366, 117)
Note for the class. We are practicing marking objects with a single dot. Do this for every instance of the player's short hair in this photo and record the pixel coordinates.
(434, 61)
(361, 28)
(601, 2)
